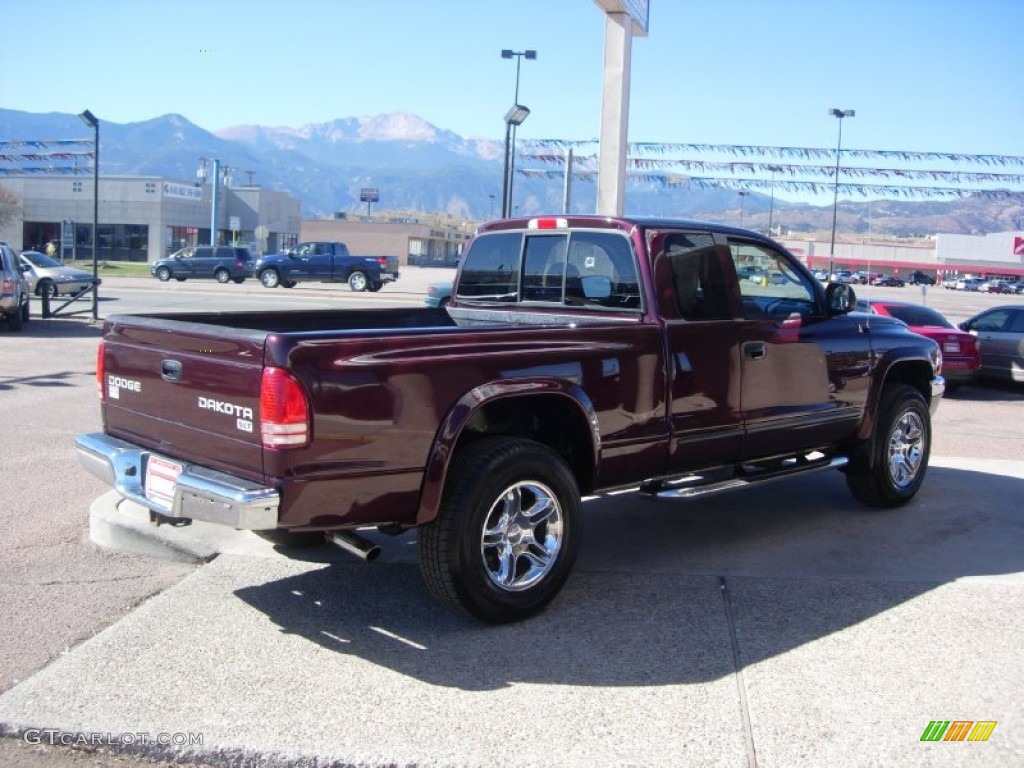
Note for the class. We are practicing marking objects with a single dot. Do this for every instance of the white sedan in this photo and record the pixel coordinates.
(47, 276)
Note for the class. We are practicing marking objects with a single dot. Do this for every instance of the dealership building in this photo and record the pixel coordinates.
(144, 218)
(995, 255)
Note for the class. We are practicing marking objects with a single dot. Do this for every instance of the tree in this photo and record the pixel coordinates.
(10, 205)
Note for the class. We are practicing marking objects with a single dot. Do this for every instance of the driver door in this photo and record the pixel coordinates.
(805, 373)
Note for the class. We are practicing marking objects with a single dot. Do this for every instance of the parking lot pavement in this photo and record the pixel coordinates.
(782, 627)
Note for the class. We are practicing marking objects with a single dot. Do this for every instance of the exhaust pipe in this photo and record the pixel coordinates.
(358, 545)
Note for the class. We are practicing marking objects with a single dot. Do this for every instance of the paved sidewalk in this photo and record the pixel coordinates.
(786, 627)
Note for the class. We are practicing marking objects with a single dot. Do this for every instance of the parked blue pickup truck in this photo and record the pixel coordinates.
(326, 262)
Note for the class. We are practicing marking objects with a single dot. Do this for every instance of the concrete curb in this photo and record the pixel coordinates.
(117, 523)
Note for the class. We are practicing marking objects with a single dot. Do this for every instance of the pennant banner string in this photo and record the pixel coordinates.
(813, 153)
(713, 182)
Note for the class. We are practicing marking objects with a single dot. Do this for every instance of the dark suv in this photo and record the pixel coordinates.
(920, 278)
(13, 290)
(222, 262)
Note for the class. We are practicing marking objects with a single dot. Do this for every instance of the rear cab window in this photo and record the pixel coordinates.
(580, 269)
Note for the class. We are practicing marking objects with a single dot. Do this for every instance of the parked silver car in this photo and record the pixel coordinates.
(48, 277)
(1000, 333)
(13, 290)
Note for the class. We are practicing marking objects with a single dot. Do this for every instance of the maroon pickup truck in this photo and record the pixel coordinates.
(577, 354)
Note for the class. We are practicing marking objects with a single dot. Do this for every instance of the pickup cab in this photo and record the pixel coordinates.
(327, 262)
(577, 354)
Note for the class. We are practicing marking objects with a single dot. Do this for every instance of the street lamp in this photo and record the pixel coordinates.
(515, 116)
(838, 113)
(510, 129)
(90, 119)
(742, 193)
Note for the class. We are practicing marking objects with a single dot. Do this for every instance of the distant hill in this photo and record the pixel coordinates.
(420, 167)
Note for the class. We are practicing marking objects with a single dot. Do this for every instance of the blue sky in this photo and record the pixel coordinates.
(926, 75)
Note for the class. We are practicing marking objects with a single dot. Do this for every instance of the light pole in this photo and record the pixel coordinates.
(90, 119)
(515, 116)
(201, 178)
(838, 113)
(742, 193)
(510, 128)
(771, 201)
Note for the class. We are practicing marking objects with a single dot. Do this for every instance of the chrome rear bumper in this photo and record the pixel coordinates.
(198, 493)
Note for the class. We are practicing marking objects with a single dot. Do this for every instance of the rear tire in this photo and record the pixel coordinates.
(893, 471)
(15, 321)
(507, 533)
(222, 276)
(46, 288)
(357, 281)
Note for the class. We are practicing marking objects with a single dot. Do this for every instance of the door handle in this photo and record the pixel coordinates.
(755, 350)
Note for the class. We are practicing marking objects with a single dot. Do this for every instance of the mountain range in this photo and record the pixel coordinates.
(419, 167)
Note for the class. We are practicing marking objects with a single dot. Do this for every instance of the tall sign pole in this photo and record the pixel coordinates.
(623, 20)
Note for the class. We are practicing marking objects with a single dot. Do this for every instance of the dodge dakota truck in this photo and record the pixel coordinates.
(326, 262)
(577, 354)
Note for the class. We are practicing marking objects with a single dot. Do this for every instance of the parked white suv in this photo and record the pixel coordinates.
(13, 290)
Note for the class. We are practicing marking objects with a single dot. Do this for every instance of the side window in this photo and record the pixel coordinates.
(490, 268)
(699, 284)
(203, 252)
(601, 271)
(1017, 323)
(544, 268)
(995, 320)
(769, 284)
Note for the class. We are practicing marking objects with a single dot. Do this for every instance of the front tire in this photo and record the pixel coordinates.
(270, 278)
(357, 281)
(507, 533)
(163, 274)
(893, 471)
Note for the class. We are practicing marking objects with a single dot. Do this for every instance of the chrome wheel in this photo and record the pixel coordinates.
(522, 536)
(906, 449)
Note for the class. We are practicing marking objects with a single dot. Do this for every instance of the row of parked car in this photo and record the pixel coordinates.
(981, 285)
(319, 261)
(874, 278)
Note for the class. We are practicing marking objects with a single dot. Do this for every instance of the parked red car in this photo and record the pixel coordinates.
(960, 355)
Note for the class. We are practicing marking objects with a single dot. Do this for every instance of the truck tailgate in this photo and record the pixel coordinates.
(190, 393)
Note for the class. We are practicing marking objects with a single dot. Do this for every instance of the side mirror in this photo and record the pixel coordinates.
(840, 298)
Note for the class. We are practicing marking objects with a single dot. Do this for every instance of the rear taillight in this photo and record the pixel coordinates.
(101, 392)
(284, 410)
